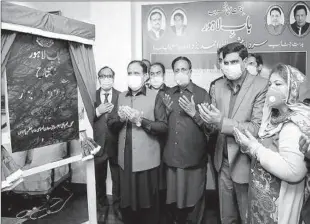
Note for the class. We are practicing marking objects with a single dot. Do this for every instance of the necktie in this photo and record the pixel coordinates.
(106, 95)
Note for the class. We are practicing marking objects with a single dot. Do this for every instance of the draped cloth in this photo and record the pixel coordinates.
(7, 39)
(85, 72)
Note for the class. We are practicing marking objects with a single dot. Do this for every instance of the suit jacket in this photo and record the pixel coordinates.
(102, 134)
(247, 114)
(303, 29)
(152, 34)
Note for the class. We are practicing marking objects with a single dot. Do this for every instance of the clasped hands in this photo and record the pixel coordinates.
(127, 113)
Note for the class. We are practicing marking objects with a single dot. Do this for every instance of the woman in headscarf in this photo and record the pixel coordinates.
(278, 169)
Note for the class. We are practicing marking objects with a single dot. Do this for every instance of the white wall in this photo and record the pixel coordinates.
(113, 37)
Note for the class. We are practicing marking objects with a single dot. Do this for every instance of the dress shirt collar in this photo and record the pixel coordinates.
(189, 87)
(235, 86)
(141, 91)
(102, 92)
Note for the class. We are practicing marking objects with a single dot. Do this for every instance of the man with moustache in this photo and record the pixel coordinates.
(237, 101)
(106, 98)
(156, 31)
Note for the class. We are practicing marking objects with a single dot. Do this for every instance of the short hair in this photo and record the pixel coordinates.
(153, 13)
(219, 51)
(106, 67)
(258, 58)
(160, 65)
(146, 61)
(276, 9)
(141, 63)
(299, 7)
(180, 58)
(235, 47)
(179, 14)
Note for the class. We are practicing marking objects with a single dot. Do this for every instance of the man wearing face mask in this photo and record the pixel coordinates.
(254, 64)
(106, 98)
(185, 152)
(139, 118)
(157, 76)
(237, 101)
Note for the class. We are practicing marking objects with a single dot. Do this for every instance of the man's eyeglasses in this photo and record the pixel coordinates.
(105, 77)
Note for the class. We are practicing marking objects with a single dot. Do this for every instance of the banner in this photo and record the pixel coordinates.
(198, 29)
(42, 93)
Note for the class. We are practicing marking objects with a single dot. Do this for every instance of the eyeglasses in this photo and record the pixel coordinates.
(105, 77)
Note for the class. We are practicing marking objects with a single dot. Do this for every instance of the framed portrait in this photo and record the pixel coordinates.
(156, 23)
(178, 22)
(299, 19)
(275, 20)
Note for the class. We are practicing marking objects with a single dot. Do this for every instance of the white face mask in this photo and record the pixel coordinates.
(182, 79)
(252, 70)
(135, 82)
(106, 84)
(157, 81)
(232, 72)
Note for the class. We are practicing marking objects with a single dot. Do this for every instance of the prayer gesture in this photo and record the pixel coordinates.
(168, 102)
(188, 106)
(210, 114)
(131, 114)
(247, 141)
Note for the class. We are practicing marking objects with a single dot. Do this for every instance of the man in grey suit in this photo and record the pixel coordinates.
(237, 101)
(106, 98)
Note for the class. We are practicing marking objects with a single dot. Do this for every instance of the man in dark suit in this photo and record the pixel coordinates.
(106, 98)
(300, 26)
(156, 30)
